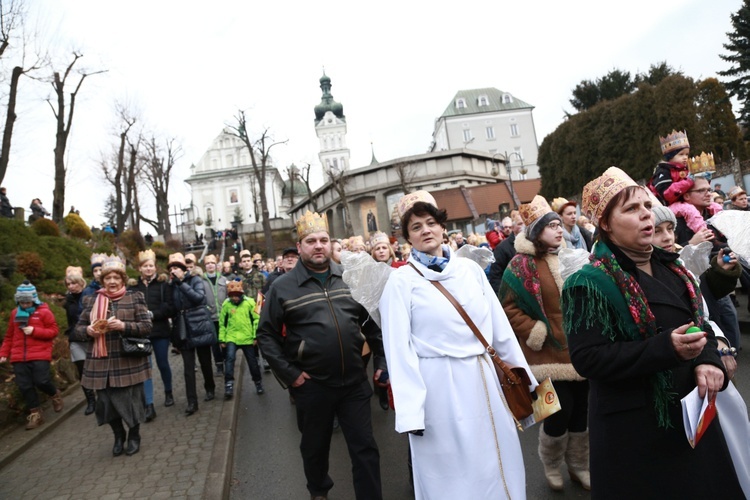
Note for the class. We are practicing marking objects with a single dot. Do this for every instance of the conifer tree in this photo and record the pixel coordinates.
(738, 83)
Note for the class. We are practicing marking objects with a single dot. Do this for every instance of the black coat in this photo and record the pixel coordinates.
(159, 301)
(504, 253)
(631, 456)
(192, 314)
(73, 308)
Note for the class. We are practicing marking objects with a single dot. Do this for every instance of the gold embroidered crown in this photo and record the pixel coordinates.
(146, 255)
(408, 200)
(532, 211)
(675, 141)
(702, 164)
(311, 222)
(379, 237)
(598, 193)
(98, 258)
(70, 270)
(113, 263)
(356, 243)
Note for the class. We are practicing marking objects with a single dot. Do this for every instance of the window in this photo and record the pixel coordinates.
(514, 130)
(483, 101)
(436, 185)
(490, 132)
(518, 153)
(507, 98)
(460, 103)
(467, 135)
(454, 182)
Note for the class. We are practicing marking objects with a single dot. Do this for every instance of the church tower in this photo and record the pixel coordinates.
(330, 126)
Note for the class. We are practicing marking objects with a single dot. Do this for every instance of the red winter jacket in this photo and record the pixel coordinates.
(19, 347)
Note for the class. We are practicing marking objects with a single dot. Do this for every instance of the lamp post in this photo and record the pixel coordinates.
(506, 162)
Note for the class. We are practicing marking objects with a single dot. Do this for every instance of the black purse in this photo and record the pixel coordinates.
(135, 347)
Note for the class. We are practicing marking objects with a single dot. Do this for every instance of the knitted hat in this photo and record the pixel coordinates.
(177, 260)
(26, 292)
(663, 214)
(235, 288)
(598, 193)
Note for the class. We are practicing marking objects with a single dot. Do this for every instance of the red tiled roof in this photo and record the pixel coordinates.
(486, 198)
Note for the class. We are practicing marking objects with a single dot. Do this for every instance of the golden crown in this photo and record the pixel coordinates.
(598, 193)
(234, 287)
(311, 222)
(379, 237)
(112, 263)
(408, 200)
(356, 242)
(73, 270)
(702, 164)
(146, 255)
(532, 211)
(98, 258)
(675, 141)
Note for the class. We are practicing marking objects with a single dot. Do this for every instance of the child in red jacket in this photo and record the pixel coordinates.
(28, 344)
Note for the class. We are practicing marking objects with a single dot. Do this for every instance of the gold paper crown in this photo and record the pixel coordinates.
(234, 287)
(735, 192)
(244, 252)
(379, 237)
(146, 255)
(112, 263)
(98, 258)
(598, 193)
(559, 203)
(73, 270)
(675, 141)
(408, 200)
(311, 222)
(532, 211)
(702, 164)
(356, 242)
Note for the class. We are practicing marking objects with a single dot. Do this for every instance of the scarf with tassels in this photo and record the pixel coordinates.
(611, 288)
(99, 311)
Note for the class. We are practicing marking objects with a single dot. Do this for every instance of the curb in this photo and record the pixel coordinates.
(219, 477)
(16, 441)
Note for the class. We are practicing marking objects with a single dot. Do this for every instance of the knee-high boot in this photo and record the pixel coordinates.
(119, 431)
(577, 458)
(551, 453)
(134, 440)
(90, 401)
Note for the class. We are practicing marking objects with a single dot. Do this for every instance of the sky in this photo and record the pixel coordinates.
(188, 67)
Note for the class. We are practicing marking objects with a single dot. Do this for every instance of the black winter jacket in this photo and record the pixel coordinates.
(159, 301)
(324, 329)
(189, 296)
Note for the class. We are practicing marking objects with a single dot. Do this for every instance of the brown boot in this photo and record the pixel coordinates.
(551, 453)
(35, 419)
(577, 458)
(57, 402)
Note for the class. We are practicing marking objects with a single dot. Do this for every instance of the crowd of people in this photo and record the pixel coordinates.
(623, 336)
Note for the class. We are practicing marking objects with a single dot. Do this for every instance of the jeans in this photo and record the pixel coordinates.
(161, 353)
(30, 376)
(316, 406)
(204, 358)
(148, 387)
(231, 354)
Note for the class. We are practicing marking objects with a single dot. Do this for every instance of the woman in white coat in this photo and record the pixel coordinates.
(463, 439)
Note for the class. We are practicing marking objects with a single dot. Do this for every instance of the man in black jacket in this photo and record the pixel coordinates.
(319, 358)
(504, 253)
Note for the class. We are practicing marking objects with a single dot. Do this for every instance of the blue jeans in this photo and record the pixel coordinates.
(161, 353)
(231, 354)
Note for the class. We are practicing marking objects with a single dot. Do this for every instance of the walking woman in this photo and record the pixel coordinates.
(194, 329)
(530, 294)
(73, 306)
(118, 380)
(626, 314)
(156, 291)
(464, 442)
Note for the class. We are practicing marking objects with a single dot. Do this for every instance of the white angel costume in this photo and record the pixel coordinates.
(444, 383)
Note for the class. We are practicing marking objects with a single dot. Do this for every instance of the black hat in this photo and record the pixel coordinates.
(290, 250)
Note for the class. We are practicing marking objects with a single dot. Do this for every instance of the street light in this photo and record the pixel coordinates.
(521, 169)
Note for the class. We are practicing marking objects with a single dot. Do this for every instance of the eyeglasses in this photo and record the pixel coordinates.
(554, 225)
(700, 191)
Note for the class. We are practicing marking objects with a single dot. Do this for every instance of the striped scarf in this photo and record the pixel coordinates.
(99, 311)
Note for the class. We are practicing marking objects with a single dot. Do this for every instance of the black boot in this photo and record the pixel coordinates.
(383, 397)
(209, 395)
(150, 412)
(192, 408)
(134, 440)
(168, 398)
(119, 431)
(90, 401)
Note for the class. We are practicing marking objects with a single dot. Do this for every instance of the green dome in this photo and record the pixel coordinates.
(326, 102)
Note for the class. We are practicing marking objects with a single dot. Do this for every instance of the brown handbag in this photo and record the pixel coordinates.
(514, 380)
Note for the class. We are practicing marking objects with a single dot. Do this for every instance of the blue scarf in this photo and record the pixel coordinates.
(22, 315)
(574, 238)
(431, 261)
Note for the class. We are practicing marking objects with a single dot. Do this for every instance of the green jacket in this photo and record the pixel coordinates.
(238, 323)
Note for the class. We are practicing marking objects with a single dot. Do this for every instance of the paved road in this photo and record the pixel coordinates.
(267, 463)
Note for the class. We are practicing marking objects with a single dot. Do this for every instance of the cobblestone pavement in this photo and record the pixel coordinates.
(74, 460)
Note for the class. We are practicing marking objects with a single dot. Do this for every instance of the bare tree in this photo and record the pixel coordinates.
(406, 172)
(122, 170)
(305, 176)
(63, 130)
(259, 150)
(157, 171)
(12, 20)
(339, 179)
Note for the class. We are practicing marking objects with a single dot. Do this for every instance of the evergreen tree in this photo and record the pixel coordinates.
(738, 74)
(719, 132)
(110, 210)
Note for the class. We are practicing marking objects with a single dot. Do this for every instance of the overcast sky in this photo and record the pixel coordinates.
(394, 65)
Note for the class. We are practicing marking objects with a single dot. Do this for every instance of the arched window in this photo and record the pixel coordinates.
(460, 103)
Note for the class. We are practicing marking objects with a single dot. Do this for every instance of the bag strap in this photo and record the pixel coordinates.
(490, 350)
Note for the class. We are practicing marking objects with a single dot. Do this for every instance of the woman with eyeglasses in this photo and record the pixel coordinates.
(530, 294)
